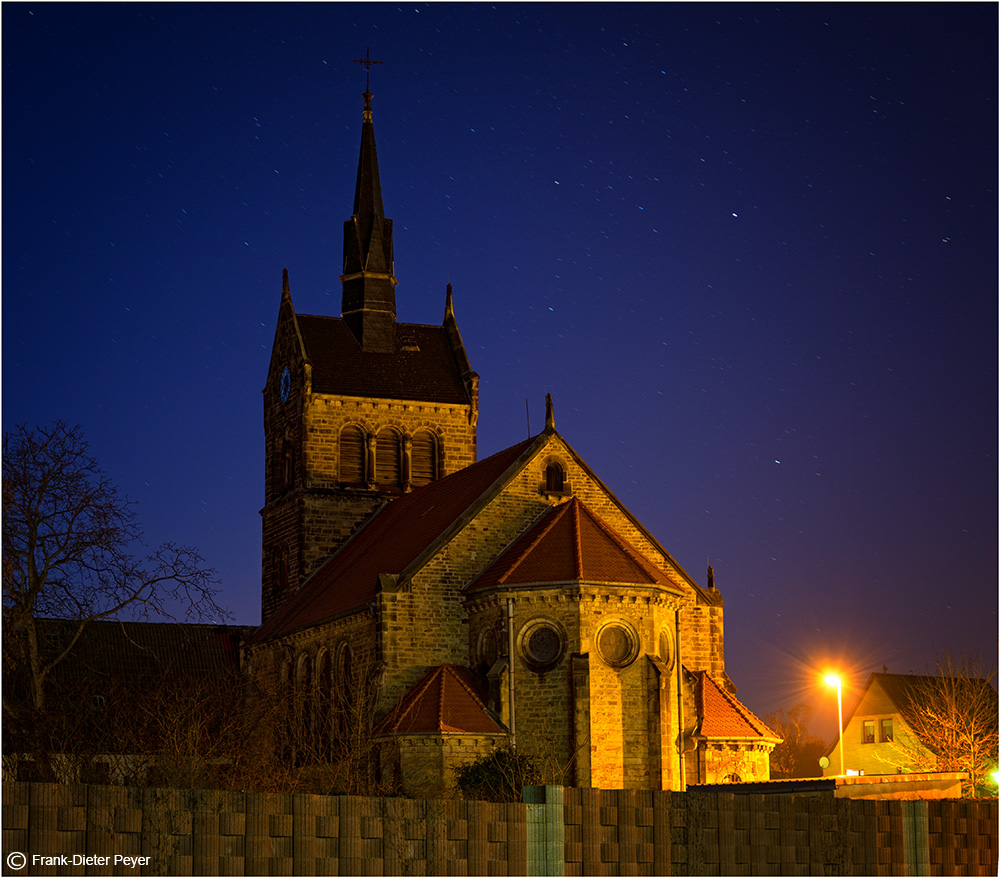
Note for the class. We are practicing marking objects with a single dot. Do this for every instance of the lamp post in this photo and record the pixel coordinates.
(834, 680)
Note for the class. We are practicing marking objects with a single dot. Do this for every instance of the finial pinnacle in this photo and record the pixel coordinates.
(286, 292)
(550, 420)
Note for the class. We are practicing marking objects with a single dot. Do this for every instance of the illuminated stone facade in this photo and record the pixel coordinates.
(390, 552)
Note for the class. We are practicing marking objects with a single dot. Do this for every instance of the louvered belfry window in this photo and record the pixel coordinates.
(352, 456)
(388, 459)
(424, 458)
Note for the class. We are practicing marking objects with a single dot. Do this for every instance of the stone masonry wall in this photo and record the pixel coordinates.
(307, 512)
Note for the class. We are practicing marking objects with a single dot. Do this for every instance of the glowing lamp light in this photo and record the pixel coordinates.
(834, 680)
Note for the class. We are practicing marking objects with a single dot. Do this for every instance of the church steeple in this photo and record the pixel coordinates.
(369, 286)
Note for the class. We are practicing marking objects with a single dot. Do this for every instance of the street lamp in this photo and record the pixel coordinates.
(834, 680)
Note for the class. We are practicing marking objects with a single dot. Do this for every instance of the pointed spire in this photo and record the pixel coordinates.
(286, 292)
(550, 421)
(369, 296)
(449, 305)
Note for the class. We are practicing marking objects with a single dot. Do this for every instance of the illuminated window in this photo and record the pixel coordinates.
(352, 455)
(885, 729)
(868, 731)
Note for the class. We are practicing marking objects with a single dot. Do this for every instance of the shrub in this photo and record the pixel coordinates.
(499, 777)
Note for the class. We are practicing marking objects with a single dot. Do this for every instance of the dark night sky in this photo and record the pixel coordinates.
(751, 250)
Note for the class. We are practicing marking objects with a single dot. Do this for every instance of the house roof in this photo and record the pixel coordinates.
(722, 715)
(571, 543)
(907, 692)
(389, 542)
(443, 701)
(423, 366)
(111, 648)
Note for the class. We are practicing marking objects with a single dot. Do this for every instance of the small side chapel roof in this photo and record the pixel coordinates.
(423, 367)
(723, 715)
(392, 539)
(571, 543)
(444, 701)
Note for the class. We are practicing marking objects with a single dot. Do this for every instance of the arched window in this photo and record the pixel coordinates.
(344, 719)
(323, 702)
(286, 694)
(344, 666)
(555, 478)
(303, 708)
(352, 455)
(424, 459)
(388, 459)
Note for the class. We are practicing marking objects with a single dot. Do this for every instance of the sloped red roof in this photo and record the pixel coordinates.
(722, 715)
(444, 701)
(388, 543)
(571, 543)
(340, 366)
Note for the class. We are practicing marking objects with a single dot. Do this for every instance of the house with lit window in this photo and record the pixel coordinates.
(879, 736)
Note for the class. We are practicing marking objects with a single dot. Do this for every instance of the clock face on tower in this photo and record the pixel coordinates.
(284, 388)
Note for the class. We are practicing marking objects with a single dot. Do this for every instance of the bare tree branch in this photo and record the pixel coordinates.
(68, 541)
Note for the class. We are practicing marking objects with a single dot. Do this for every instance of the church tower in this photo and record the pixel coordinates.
(357, 409)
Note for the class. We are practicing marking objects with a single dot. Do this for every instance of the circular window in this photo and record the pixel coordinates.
(667, 647)
(542, 644)
(617, 644)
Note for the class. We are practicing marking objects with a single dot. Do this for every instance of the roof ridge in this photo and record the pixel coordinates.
(623, 544)
(452, 670)
(411, 699)
(577, 536)
(440, 672)
(754, 721)
(556, 513)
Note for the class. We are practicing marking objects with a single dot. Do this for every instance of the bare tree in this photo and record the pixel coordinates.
(68, 540)
(950, 720)
(799, 752)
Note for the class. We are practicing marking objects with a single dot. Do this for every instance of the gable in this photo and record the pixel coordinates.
(404, 534)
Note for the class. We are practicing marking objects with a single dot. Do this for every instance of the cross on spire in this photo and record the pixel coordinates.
(367, 63)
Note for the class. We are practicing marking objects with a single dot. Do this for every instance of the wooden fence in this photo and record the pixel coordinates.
(100, 830)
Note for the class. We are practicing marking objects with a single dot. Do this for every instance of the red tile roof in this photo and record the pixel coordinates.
(392, 539)
(571, 543)
(722, 715)
(444, 701)
(340, 366)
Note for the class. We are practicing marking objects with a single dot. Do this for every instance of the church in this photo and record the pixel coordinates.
(436, 605)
